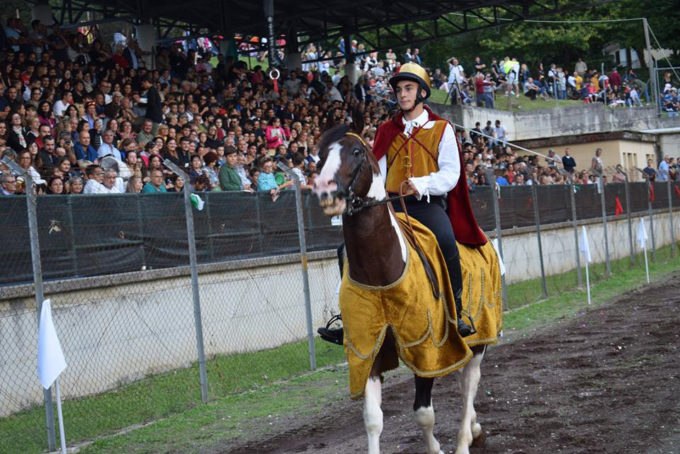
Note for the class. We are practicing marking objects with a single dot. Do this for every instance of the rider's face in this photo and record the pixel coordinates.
(407, 92)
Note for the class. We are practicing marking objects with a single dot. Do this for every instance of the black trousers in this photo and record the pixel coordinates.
(434, 216)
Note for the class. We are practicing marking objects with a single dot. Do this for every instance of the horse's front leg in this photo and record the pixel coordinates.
(470, 429)
(373, 415)
(425, 413)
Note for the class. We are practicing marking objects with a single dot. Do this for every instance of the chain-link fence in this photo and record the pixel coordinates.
(119, 273)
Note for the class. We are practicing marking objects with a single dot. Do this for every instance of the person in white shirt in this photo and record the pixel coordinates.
(95, 180)
(111, 182)
(61, 105)
(107, 148)
(456, 79)
(431, 168)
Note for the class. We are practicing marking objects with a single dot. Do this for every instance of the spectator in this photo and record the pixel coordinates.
(596, 164)
(9, 183)
(154, 109)
(176, 183)
(531, 90)
(83, 150)
(650, 171)
(229, 177)
(568, 161)
(95, 180)
(111, 182)
(408, 56)
(134, 185)
(155, 184)
(500, 133)
(107, 148)
(664, 168)
(76, 186)
(581, 67)
(62, 104)
(55, 186)
(274, 134)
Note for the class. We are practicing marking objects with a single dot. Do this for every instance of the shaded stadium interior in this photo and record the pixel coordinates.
(377, 23)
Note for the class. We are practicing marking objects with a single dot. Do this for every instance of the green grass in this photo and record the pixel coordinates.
(512, 103)
(161, 395)
(529, 310)
(246, 388)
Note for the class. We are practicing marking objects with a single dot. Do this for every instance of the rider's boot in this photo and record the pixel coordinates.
(456, 277)
(464, 329)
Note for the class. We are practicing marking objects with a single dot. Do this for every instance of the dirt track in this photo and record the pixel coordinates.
(605, 382)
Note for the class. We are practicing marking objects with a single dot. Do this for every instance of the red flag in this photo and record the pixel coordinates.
(651, 192)
(619, 209)
(677, 190)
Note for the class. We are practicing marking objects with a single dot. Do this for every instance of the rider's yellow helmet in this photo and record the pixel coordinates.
(414, 72)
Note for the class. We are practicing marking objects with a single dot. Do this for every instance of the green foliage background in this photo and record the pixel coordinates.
(563, 43)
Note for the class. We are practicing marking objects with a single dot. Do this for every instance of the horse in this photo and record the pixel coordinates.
(378, 255)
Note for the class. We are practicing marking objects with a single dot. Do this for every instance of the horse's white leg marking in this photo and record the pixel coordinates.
(468, 424)
(425, 420)
(373, 415)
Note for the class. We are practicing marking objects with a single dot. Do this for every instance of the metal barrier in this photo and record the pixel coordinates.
(203, 321)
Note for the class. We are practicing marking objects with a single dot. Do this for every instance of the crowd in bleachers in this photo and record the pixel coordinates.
(83, 115)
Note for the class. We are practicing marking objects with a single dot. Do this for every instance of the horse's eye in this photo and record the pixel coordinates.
(356, 151)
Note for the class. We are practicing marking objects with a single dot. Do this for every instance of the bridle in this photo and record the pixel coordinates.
(355, 203)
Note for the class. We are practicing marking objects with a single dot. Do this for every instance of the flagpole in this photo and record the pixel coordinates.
(646, 263)
(62, 435)
(587, 281)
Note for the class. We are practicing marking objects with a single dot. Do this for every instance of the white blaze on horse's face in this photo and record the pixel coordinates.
(325, 186)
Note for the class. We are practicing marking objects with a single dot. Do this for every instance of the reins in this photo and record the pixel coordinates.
(356, 204)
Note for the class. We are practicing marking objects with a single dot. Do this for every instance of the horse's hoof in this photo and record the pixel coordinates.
(476, 430)
(479, 440)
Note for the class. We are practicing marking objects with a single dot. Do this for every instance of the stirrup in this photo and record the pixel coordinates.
(333, 335)
(465, 330)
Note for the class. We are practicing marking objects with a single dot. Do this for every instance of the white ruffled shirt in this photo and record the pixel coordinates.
(441, 182)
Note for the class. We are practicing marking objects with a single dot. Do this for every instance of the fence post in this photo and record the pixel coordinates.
(32, 213)
(537, 220)
(670, 215)
(574, 224)
(619, 169)
(495, 195)
(303, 259)
(600, 187)
(194, 277)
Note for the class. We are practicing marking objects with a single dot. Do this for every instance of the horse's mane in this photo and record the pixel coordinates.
(332, 135)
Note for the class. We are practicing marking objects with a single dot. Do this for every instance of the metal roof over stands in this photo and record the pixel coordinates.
(316, 20)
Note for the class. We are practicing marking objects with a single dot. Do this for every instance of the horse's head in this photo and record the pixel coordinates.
(347, 169)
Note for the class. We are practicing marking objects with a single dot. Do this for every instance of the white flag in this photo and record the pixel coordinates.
(51, 361)
(501, 265)
(583, 244)
(642, 234)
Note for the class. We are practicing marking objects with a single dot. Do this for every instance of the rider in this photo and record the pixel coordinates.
(418, 146)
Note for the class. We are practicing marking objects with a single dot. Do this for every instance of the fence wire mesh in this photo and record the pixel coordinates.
(117, 271)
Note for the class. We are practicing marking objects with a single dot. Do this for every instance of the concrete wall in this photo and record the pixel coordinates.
(563, 121)
(670, 144)
(520, 248)
(117, 329)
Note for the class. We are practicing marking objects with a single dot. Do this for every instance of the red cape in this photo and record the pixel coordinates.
(463, 220)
